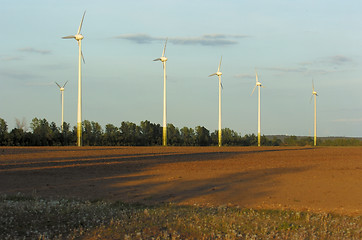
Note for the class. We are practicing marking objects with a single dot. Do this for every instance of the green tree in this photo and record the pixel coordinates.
(230, 137)
(249, 140)
(202, 136)
(42, 133)
(130, 134)
(150, 133)
(3, 132)
(97, 134)
(66, 136)
(17, 137)
(111, 136)
(86, 133)
(290, 141)
(55, 135)
(187, 136)
(173, 135)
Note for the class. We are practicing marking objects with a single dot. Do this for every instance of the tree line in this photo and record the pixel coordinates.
(146, 133)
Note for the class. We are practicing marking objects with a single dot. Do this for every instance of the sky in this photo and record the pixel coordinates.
(289, 43)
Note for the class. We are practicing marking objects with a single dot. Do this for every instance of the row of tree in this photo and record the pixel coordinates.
(44, 133)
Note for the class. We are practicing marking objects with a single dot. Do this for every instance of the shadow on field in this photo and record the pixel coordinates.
(140, 176)
(238, 188)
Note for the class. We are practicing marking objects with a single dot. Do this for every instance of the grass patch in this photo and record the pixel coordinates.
(36, 218)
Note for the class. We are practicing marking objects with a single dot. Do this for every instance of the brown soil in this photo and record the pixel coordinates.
(327, 179)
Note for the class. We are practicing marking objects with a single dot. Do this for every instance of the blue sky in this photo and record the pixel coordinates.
(288, 42)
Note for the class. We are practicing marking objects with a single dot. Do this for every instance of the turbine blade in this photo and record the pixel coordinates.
(157, 59)
(57, 84)
(262, 86)
(256, 74)
(222, 87)
(212, 74)
(164, 48)
(68, 37)
(219, 65)
(313, 84)
(82, 56)
(65, 84)
(253, 91)
(81, 23)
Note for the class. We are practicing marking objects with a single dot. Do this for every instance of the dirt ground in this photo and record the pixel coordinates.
(327, 179)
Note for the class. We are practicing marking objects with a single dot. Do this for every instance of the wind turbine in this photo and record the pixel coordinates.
(79, 38)
(218, 74)
(163, 59)
(62, 99)
(258, 84)
(314, 93)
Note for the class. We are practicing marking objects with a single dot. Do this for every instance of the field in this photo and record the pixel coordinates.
(303, 179)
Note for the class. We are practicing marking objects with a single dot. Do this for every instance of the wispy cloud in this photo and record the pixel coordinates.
(40, 84)
(204, 40)
(244, 76)
(336, 60)
(17, 75)
(10, 58)
(33, 50)
(348, 120)
(286, 70)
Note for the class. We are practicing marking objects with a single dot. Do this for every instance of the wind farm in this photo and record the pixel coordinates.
(138, 153)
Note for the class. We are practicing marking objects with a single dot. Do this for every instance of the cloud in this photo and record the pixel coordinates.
(139, 38)
(10, 58)
(286, 70)
(39, 84)
(33, 50)
(204, 40)
(244, 76)
(17, 75)
(348, 120)
(336, 60)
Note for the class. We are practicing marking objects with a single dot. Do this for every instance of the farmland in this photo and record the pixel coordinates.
(317, 180)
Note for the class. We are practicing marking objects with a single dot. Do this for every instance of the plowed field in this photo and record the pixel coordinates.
(327, 179)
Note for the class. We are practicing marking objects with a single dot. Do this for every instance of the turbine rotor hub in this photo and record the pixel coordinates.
(78, 37)
(163, 59)
(218, 73)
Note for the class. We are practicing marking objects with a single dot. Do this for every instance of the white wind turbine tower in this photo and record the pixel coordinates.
(79, 38)
(62, 99)
(258, 84)
(218, 74)
(314, 93)
(163, 59)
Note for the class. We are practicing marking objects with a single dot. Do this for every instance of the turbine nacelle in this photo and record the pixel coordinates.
(78, 37)
(61, 88)
(314, 93)
(218, 73)
(162, 59)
